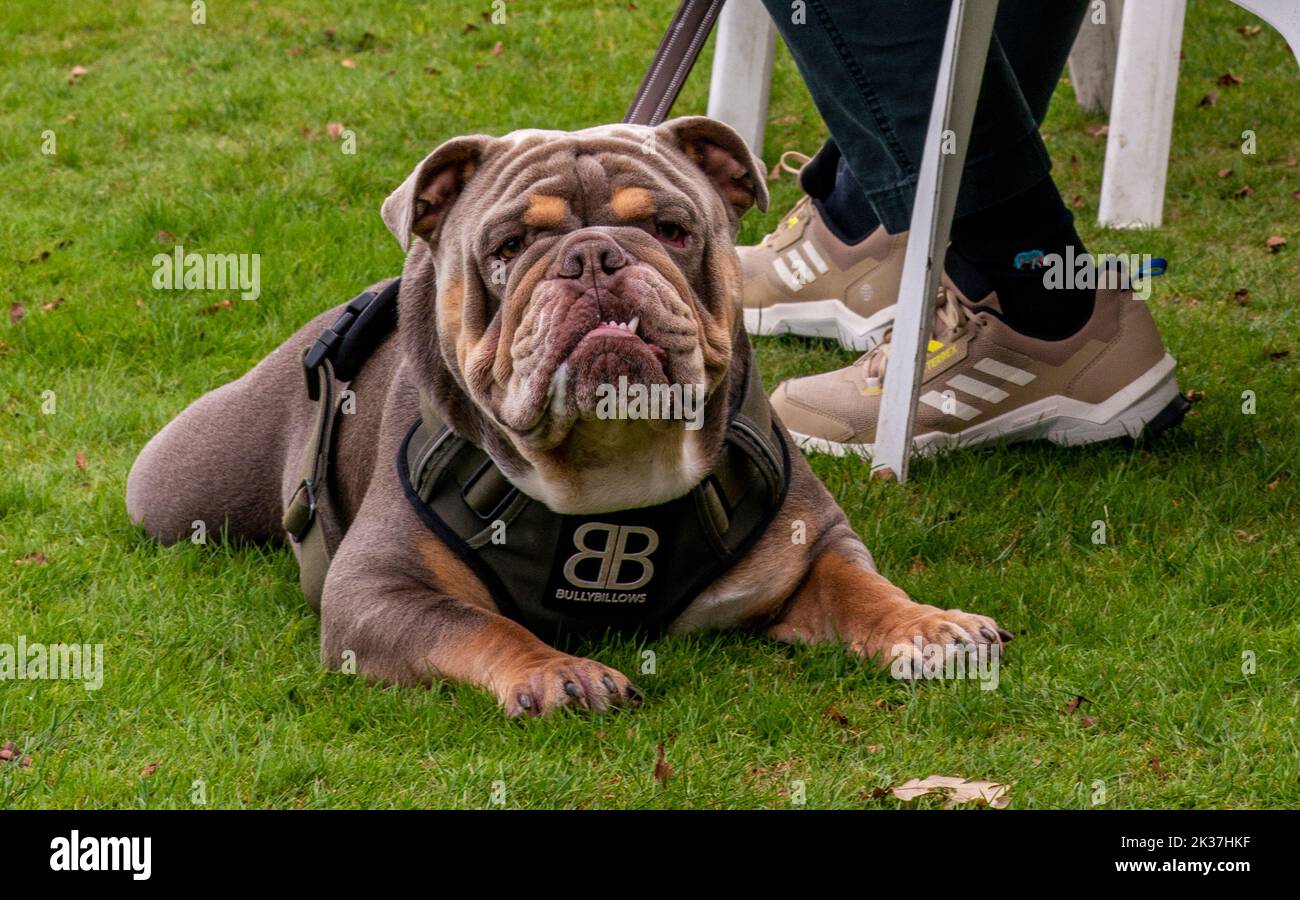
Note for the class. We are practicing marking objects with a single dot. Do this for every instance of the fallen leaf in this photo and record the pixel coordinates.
(217, 307)
(1087, 721)
(334, 130)
(1224, 173)
(165, 237)
(1245, 536)
(1248, 31)
(1210, 99)
(497, 48)
(1273, 485)
(16, 313)
(1077, 201)
(25, 762)
(53, 304)
(293, 51)
(1244, 191)
(831, 714)
(1241, 296)
(347, 63)
(148, 770)
(957, 790)
(1279, 354)
(70, 117)
(1195, 396)
(81, 460)
(432, 70)
(469, 26)
(663, 771)
(1291, 159)
(787, 120)
(5, 349)
(1228, 79)
(1075, 702)
(329, 34)
(1154, 763)
(76, 72)
(918, 565)
(774, 173)
(1275, 243)
(1099, 130)
(31, 559)
(1295, 195)
(873, 748)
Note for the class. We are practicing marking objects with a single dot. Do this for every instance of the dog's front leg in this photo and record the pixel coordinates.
(844, 599)
(401, 620)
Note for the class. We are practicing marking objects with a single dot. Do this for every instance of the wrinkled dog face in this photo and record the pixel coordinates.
(566, 260)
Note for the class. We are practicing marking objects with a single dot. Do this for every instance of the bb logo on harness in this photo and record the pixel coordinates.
(609, 571)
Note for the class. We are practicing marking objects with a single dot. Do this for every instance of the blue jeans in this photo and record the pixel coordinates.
(871, 67)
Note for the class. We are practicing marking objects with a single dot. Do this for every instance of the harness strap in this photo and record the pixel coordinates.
(336, 355)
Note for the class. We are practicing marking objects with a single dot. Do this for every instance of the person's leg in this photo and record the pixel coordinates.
(875, 86)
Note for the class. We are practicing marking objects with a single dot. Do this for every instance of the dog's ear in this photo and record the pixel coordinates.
(420, 204)
(723, 156)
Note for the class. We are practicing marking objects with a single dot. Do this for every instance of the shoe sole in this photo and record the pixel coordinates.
(828, 318)
(1150, 404)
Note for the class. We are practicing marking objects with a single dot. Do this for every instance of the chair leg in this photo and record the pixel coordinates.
(1142, 116)
(966, 47)
(742, 70)
(1092, 58)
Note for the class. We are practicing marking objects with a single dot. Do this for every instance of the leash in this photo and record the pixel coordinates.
(673, 61)
(338, 354)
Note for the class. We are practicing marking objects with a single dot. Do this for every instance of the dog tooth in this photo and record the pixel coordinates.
(631, 326)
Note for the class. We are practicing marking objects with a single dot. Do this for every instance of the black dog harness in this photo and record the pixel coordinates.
(626, 570)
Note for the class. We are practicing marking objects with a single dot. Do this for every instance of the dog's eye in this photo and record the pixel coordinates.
(671, 233)
(511, 248)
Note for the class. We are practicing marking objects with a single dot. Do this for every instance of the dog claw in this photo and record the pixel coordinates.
(609, 684)
(1007, 637)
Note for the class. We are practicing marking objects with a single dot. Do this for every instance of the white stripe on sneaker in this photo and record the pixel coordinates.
(949, 405)
(818, 263)
(1004, 371)
(783, 272)
(977, 388)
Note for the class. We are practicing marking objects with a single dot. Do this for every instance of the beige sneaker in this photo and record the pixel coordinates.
(804, 280)
(984, 382)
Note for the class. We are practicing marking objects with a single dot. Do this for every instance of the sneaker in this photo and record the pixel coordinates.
(984, 382)
(802, 279)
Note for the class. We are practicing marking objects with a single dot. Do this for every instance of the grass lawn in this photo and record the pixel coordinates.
(215, 136)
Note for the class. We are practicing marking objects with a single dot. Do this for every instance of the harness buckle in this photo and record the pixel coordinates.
(302, 520)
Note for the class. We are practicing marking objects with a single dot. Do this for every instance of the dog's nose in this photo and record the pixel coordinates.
(594, 253)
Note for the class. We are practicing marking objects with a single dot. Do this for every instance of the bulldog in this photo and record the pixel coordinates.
(543, 270)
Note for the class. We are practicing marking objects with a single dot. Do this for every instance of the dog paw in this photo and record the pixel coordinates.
(564, 680)
(911, 633)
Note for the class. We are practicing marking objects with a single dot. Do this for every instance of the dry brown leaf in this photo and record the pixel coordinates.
(293, 51)
(1195, 396)
(1099, 130)
(217, 307)
(347, 63)
(76, 72)
(1077, 201)
(1245, 536)
(334, 130)
(1087, 721)
(16, 313)
(70, 117)
(663, 771)
(831, 714)
(81, 460)
(31, 559)
(1244, 191)
(166, 238)
(5, 349)
(1295, 195)
(1273, 485)
(1075, 702)
(1224, 173)
(148, 770)
(1248, 31)
(52, 305)
(497, 48)
(1210, 99)
(25, 762)
(1275, 242)
(1241, 296)
(1228, 79)
(957, 790)
(787, 120)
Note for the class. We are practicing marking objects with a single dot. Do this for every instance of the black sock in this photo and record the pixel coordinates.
(845, 209)
(1001, 249)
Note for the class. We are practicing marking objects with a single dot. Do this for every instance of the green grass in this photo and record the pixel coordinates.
(211, 654)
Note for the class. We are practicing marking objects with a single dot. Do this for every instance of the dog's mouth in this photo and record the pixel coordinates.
(608, 354)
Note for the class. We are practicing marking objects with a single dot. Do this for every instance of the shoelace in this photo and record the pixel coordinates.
(951, 316)
(797, 213)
